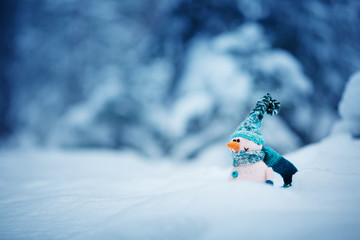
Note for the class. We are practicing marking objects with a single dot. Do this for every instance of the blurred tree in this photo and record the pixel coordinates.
(109, 73)
(324, 36)
(185, 20)
(8, 15)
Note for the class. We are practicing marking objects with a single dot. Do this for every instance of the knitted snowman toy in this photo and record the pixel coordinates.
(253, 161)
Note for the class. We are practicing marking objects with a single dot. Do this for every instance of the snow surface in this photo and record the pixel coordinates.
(118, 195)
(349, 105)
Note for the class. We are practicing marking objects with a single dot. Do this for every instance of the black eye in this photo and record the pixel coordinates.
(234, 140)
(238, 140)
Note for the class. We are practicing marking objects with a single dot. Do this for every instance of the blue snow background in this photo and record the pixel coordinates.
(178, 75)
(141, 96)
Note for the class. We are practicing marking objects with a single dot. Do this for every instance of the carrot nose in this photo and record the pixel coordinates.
(234, 145)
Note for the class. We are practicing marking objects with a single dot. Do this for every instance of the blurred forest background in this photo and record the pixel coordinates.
(171, 77)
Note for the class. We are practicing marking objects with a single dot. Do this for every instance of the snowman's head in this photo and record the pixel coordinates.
(242, 144)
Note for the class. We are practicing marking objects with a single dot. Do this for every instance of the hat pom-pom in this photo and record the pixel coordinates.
(273, 107)
(266, 105)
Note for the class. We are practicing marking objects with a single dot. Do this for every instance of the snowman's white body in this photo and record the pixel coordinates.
(258, 172)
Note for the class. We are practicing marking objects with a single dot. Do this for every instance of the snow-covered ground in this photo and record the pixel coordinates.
(118, 195)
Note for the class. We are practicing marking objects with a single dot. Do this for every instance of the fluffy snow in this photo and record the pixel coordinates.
(121, 195)
(118, 195)
(348, 107)
(223, 78)
(190, 106)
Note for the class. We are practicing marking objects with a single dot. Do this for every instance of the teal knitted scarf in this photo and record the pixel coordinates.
(248, 157)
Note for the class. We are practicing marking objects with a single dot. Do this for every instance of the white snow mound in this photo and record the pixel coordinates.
(349, 106)
(109, 195)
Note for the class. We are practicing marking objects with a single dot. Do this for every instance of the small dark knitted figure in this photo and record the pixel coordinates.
(251, 159)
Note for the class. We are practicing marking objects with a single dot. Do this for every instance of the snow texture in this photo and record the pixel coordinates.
(349, 106)
(117, 195)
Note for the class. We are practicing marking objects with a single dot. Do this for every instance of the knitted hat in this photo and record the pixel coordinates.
(250, 127)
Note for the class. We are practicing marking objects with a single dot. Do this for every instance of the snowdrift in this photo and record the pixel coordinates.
(117, 195)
